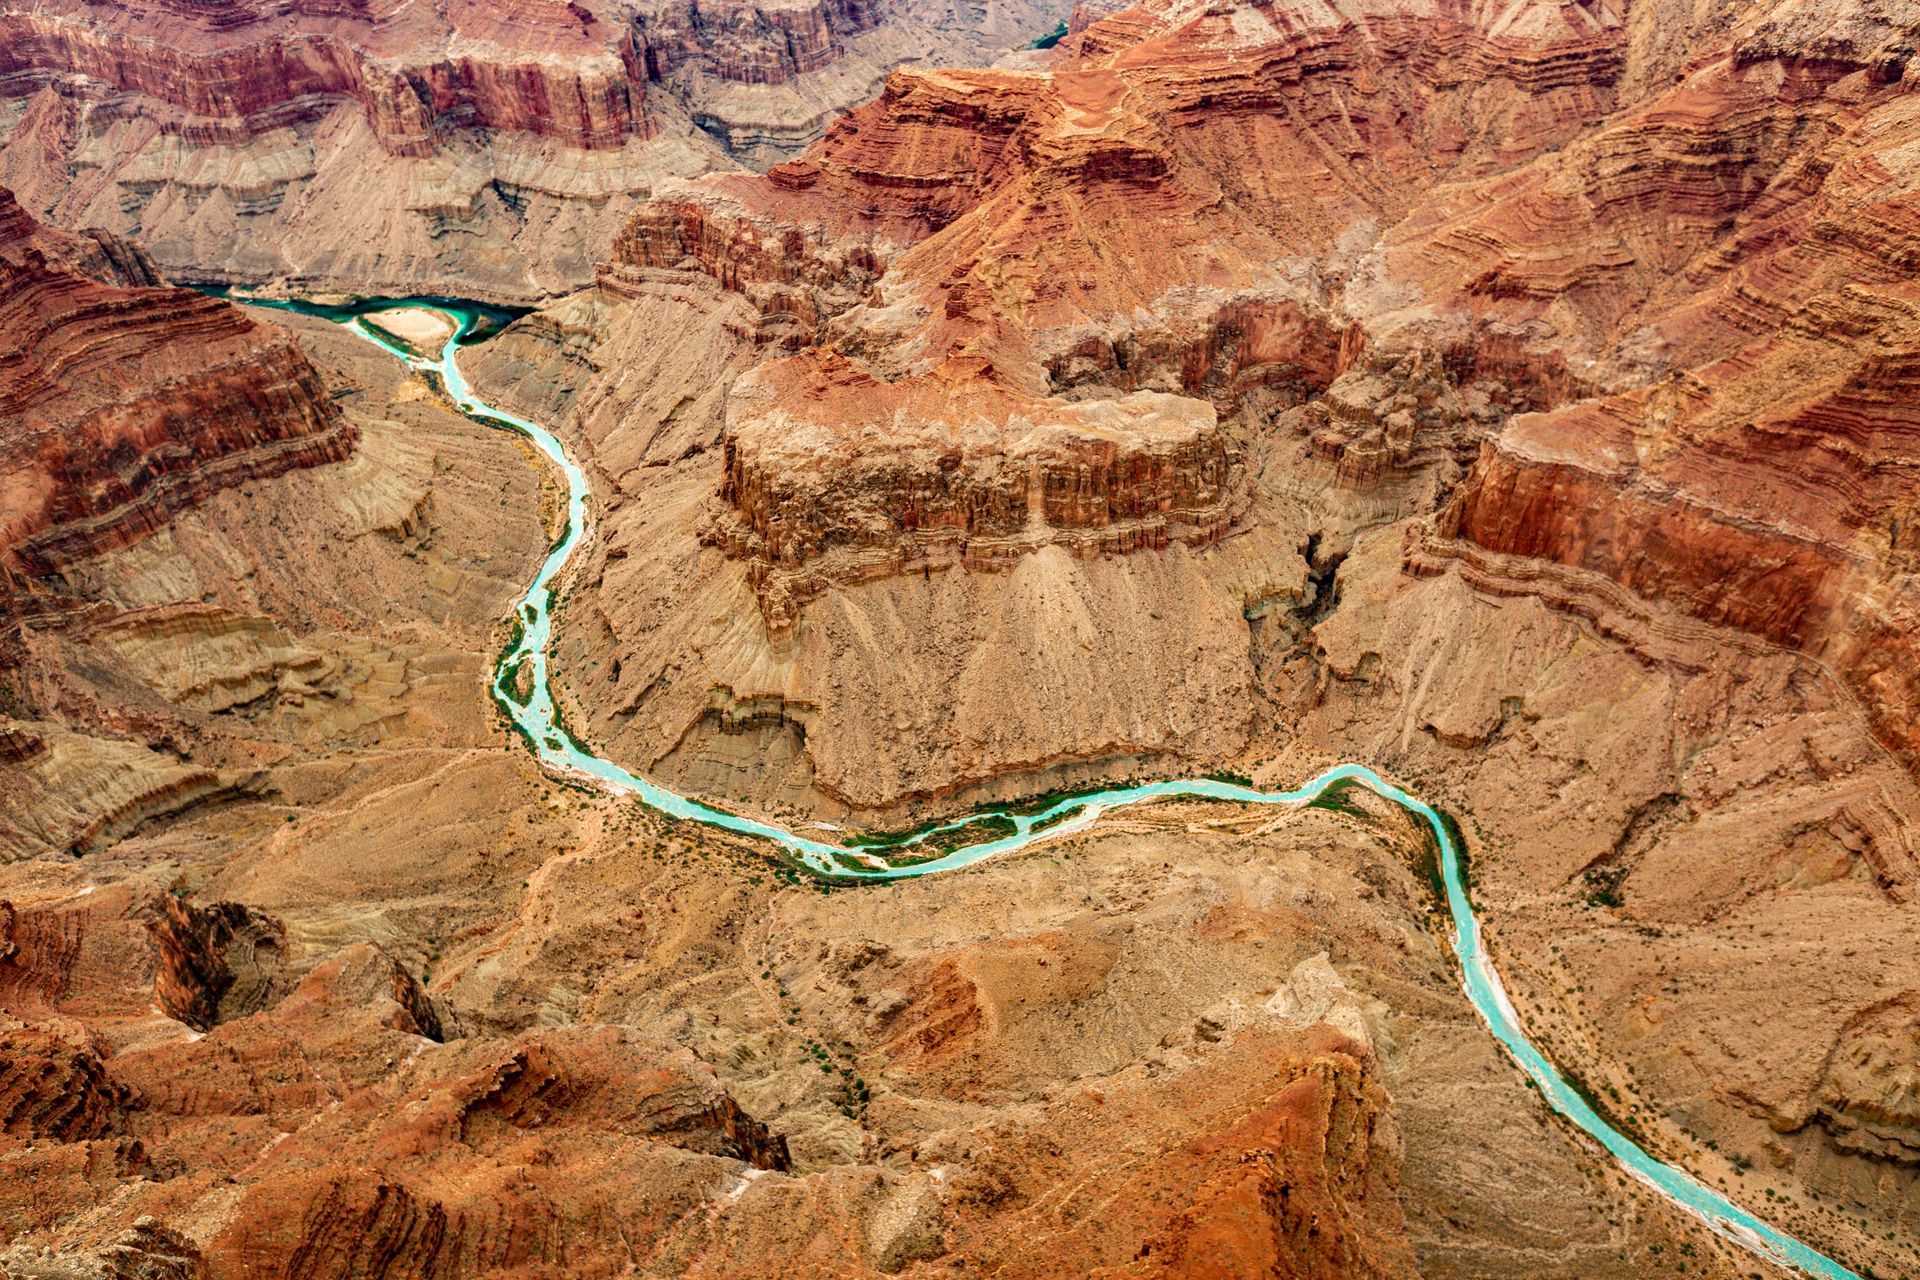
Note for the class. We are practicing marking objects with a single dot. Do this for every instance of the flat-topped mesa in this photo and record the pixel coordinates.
(833, 476)
(121, 407)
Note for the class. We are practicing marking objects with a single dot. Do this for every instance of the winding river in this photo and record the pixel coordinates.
(520, 685)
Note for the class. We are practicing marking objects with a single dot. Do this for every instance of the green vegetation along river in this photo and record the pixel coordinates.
(521, 688)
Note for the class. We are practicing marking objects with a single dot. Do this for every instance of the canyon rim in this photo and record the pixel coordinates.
(642, 638)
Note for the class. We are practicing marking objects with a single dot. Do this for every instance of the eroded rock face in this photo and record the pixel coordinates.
(1720, 392)
(845, 477)
(1747, 450)
(1142, 163)
(340, 1137)
(148, 1250)
(52, 1089)
(489, 148)
(990, 276)
(231, 68)
(390, 1166)
(219, 962)
(122, 406)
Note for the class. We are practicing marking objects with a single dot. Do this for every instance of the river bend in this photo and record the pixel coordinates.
(521, 687)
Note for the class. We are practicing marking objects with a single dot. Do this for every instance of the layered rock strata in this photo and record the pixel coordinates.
(357, 1136)
(1743, 300)
(122, 406)
(1688, 279)
(1018, 302)
(847, 477)
(479, 148)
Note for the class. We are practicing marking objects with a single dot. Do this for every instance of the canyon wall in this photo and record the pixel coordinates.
(1011, 307)
(123, 402)
(1608, 289)
(490, 149)
(1734, 263)
(1691, 281)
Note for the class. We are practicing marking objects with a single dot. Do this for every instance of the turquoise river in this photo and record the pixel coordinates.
(526, 697)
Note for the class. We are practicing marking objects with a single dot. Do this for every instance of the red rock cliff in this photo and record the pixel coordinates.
(957, 257)
(1737, 255)
(225, 72)
(120, 407)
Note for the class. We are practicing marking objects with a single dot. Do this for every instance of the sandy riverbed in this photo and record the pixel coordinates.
(425, 331)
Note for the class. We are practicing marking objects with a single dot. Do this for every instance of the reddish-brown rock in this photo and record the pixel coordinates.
(224, 72)
(52, 1089)
(148, 1250)
(219, 962)
(749, 43)
(975, 266)
(479, 147)
(1159, 156)
(1181, 204)
(122, 406)
(1736, 260)
(354, 1141)
(832, 474)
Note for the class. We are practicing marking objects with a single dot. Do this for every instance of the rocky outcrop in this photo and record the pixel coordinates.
(832, 475)
(122, 406)
(19, 744)
(148, 1250)
(221, 76)
(1148, 151)
(203, 657)
(50, 1089)
(796, 278)
(1389, 416)
(751, 44)
(218, 962)
(73, 794)
(362, 1143)
(1868, 1095)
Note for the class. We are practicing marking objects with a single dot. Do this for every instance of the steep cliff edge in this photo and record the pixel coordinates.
(123, 403)
(1732, 265)
(491, 149)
